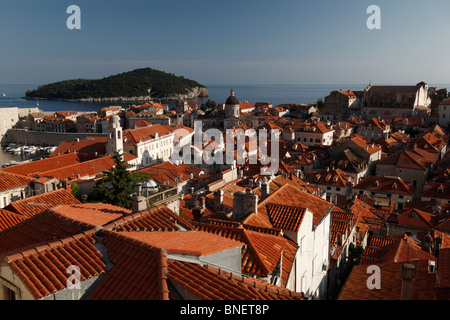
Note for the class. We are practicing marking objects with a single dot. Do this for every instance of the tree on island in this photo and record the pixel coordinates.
(118, 185)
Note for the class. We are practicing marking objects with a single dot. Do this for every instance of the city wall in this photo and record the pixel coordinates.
(36, 138)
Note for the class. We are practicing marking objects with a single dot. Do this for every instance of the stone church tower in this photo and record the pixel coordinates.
(232, 112)
(232, 106)
(115, 136)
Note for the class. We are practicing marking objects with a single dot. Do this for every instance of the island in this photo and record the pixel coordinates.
(137, 85)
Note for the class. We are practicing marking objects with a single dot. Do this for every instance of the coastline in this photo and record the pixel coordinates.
(193, 93)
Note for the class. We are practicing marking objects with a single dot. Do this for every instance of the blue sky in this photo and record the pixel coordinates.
(227, 41)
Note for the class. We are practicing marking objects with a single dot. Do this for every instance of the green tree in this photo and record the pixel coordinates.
(75, 188)
(118, 184)
(320, 103)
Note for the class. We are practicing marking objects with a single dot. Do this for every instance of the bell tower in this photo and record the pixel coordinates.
(115, 138)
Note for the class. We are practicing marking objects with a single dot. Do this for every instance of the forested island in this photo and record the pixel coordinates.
(139, 84)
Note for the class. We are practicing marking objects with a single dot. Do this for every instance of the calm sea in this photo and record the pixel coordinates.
(276, 94)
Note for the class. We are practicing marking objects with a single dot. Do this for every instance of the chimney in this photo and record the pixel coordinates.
(68, 186)
(265, 189)
(197, 212)
(139, 203)
(218, 199)
(408, 275)
(202, 202)
(244, 203)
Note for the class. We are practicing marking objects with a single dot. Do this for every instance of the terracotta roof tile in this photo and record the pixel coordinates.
(393, 249)
(31, 206)
(415, 217)
(11, 181)
(44, 270)
(89, 215)
(40, 228)
(285, 217)
(139, 272)
(326, 177)
(415, 159)
(159, 218)
(34, 167)
(180, 242)
(292, 196)
(208, 283)
(87, 146)
(9, 219)
(391, 283)
(134, 136)
(385, 184)
(264, 247)
(89, 168)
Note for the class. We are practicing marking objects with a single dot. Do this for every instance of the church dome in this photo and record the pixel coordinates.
(232, 100)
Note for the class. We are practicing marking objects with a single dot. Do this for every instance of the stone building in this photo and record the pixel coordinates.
(444, 114)
(339, 105)
(394, 101)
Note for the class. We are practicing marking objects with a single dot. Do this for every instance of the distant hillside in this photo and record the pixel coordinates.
(131, 85)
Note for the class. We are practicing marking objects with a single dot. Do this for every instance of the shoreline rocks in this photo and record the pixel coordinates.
(197, 92)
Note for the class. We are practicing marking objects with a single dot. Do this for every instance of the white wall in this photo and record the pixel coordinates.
(314, 138)
(148, 152)
(312, 253)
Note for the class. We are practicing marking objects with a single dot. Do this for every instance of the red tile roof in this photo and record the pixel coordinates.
(375, 123)
(391, 283)
(90, 215)
(34, 167)
(327, 177)
(139, 271)
(415, 159)
(393, 249)
(134, 136)
(11, 181)
(31, 206)
(385, 184)
(292, 196)
(57, 223)
(436, 190)
(9, 219)
(362, 143)
(197, 243)
(159, 218)
(443, 267)
(264, 247)
(84, 169)
(348, 93)
(415, 217)
(209, 283)
(44, 268)
(288, 218)
(167, 172)
(87, 146)
(143, 272)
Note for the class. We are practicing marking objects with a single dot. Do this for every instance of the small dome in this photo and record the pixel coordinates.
(232, 99)
(149, 184)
